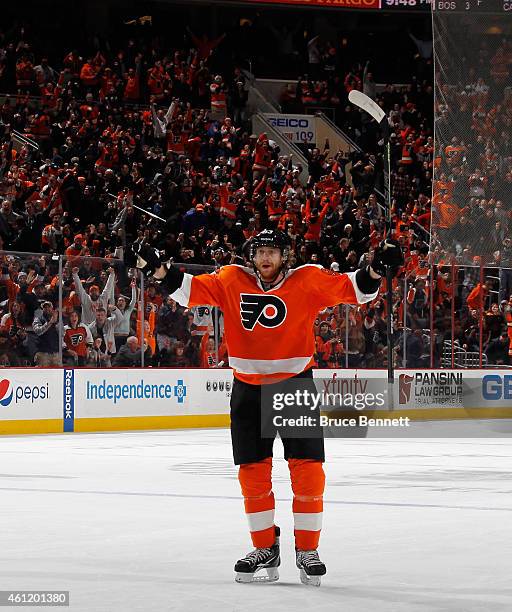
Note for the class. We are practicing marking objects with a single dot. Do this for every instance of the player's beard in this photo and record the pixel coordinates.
(271, 273)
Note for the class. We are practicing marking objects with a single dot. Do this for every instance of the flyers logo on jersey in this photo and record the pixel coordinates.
(267, 310)
(77, 339)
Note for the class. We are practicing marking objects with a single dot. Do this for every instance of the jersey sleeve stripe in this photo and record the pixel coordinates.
(182, 294)
(361, 297)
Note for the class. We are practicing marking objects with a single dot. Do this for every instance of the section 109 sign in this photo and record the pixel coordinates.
(299, 129)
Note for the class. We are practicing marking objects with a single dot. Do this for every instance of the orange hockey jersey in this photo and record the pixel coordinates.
(78, 339)
(269, 334)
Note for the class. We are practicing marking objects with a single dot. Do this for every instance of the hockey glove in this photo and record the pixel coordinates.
(146, 258)
(387, 255)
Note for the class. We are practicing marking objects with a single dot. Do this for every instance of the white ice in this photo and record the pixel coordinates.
(153, 521)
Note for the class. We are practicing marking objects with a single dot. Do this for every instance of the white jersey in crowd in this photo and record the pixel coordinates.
(89, 306)
(202, 319)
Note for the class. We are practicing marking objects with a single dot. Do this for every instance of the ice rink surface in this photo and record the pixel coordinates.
(153, 521)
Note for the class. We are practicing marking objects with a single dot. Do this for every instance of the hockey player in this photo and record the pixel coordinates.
(268, 311)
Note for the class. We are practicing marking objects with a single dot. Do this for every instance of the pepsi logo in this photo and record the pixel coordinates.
(6, 392)
(12, 392)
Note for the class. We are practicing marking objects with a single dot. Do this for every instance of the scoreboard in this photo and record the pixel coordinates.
(496, 7)
(367, 5)
(473, 6)
(406, 5)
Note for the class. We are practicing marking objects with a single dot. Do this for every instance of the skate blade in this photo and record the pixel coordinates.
(248, 578)
(309, 580)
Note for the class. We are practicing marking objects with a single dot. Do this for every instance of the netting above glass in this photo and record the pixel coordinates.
(472, 192)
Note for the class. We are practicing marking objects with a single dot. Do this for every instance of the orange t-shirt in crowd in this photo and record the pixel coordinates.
(208, 359)
(131, 88)
(508, 318)
(149, 329)
(13, 288)
(477, 296)
(88, 74)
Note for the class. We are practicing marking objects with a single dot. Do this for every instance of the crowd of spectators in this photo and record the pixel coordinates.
(473, 189)
(147, 143)
(472, 198)
(469, 174)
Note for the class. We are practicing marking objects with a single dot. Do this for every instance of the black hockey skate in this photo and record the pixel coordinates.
(258, 559)
(310, 566)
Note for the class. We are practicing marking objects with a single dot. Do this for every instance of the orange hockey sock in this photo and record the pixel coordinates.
(255, 481)
(308, 482)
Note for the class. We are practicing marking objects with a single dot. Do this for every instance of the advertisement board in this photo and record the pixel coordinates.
(432, 394)
(30, 402)
(489, 388)
(121, 399)
(25, 394)
(429, 388)
(298, 129)
(152, 392)
(467, 390)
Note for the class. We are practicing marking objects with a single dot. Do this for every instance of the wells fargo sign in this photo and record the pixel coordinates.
(355, 4)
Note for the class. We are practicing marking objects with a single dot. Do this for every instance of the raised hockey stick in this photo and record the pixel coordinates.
(365, 103)
(146, 212)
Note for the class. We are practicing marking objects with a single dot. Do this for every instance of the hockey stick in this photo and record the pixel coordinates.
(365, 103)
(146, 212)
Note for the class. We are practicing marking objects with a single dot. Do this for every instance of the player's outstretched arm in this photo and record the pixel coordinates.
(184, 288)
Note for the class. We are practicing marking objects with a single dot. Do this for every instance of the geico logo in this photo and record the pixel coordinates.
(496, 387)
(292, 123)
